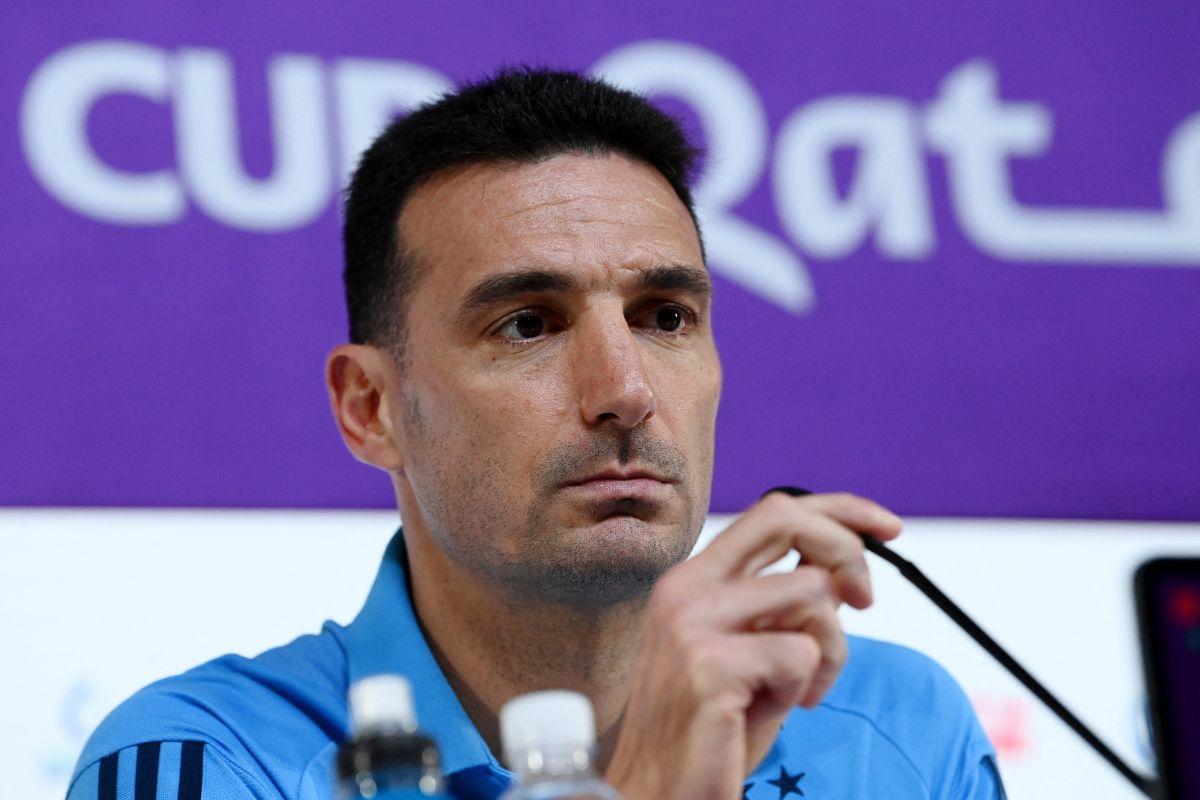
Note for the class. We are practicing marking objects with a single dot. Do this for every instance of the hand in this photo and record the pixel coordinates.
(727, 653)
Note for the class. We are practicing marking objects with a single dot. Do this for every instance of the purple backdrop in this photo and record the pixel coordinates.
(956, 252)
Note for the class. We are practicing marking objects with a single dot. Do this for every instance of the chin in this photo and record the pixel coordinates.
(628, 527)
(602, 563)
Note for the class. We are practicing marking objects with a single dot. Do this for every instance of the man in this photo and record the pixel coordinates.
(532, 363)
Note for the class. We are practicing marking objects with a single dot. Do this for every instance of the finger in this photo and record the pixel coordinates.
(776, 601)
(781, 664)
(823, 625)
(777, 525)
(821, 541)
(858, 514)
(800, 602)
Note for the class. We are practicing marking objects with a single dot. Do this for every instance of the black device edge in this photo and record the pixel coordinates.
(1150, 639)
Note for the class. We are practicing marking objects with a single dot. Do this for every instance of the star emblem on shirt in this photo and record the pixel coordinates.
(787, 783)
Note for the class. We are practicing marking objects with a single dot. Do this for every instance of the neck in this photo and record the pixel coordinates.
(493, 646)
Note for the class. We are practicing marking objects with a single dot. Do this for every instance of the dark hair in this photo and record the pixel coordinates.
(518, 116)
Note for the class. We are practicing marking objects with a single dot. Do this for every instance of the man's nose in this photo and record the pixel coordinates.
(610, 371)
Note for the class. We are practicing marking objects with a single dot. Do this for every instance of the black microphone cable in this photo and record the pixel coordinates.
(917, 578)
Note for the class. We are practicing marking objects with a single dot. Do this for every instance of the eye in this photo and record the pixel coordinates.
(526, 325)
(668, 318)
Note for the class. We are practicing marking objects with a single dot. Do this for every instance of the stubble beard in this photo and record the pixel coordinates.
(547, 561)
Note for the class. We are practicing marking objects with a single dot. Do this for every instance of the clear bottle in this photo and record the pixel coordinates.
(548, 742)
(386, 757)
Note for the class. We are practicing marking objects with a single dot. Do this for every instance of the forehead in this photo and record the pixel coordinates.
(597, 214)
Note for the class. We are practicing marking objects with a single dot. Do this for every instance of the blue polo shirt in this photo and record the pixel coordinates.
(896, 725)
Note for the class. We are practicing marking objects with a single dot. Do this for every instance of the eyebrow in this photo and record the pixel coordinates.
(676, 277)
(498, 289)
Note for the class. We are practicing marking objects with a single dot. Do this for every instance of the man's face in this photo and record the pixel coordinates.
(559, 393)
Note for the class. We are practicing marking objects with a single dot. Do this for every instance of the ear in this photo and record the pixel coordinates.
(362, 382)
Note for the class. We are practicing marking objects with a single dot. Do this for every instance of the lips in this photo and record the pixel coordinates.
(634, 484)
(621, 476)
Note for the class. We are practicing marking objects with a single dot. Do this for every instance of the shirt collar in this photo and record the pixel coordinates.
(385, 637)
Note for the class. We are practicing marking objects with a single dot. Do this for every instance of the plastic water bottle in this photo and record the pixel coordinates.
(387, 758)
(548, 741)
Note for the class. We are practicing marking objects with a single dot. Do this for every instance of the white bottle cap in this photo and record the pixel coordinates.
(556, 720)
(382, 704)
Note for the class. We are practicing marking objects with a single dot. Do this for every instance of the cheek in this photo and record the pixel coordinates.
(689, 394)
(703, 399)
(501, 415)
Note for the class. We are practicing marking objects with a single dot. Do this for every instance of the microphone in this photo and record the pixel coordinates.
(917, 578)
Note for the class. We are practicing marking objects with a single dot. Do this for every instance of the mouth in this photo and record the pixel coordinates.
(638, 485)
